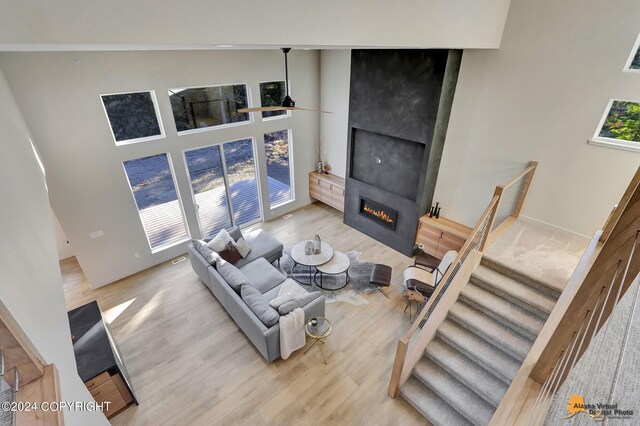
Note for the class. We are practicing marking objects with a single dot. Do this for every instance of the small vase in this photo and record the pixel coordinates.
(320, 166)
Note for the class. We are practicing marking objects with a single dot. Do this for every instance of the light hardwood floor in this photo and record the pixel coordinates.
(190, 364)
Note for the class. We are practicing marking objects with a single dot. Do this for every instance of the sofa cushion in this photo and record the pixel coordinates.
(220, 241)
(262, 245)
(209, 255)
(232, 275)
(259, 305)
(243, 247)
(262, 275)
(235, 233)
(298, 302)
(230, 253)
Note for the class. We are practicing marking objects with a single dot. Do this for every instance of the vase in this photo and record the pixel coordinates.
(320, 166)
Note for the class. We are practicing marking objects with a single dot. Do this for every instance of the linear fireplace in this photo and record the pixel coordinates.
(378, 213)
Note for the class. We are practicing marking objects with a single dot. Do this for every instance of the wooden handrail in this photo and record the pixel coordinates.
(531, 168)
(618, 209)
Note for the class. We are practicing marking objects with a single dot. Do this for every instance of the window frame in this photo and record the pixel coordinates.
(634, 51)
(612, 142)
(277, 117)
(291, 169)
(220, 126)
(179, 199)
(226, 180)
(154, 99)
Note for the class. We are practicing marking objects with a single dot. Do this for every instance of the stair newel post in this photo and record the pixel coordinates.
(492, 218)
(398, 364)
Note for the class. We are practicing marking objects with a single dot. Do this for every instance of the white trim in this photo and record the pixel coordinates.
(219, 126)
(154, 100)
(168, 246)
(611, 142)
(634, 51)
(546, 225)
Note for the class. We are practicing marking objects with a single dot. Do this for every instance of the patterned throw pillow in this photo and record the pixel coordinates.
(230, 253)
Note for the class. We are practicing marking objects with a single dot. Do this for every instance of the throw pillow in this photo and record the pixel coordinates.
(220, 241)
(259, 305)
(281, 300)
(243, 247)
(209, 255)
(232, 275)
(230, 253)
(298, 302)
(235, 233)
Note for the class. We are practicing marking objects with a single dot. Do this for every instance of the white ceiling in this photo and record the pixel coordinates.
(32, 25)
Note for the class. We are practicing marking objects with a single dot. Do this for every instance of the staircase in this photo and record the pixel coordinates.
(478, 349)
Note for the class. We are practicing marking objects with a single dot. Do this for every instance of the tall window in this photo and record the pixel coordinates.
(154, 190)
(203, 107)
(620, 125)
(271, 94)
(133, 117)
(633, 63)
(242, 182)
(277, 152)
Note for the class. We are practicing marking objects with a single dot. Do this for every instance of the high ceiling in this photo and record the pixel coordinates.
(31, 25)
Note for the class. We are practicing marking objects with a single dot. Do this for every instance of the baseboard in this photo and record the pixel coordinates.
(553, 227)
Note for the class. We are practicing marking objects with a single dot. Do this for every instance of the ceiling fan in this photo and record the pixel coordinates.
(288, 104)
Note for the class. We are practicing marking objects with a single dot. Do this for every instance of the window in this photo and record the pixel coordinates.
(620, 125)
(221, 173)
(276, 147)
(271, 94)
(133, 117)
(633, 63)
(154, 191)
(204, 107)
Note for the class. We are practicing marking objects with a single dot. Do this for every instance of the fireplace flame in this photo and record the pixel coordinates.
(380, 214)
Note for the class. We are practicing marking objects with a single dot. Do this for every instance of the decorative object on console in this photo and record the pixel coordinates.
(434, 211)
(326, 168)
(320, 166)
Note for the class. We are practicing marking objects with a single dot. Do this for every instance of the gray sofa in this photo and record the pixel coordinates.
(257, 266)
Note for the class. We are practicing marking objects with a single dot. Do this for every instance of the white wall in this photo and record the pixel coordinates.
(540, 97)
(335, 74)
(198, 23)
(30, 282)
(58, 94)
(62, 243)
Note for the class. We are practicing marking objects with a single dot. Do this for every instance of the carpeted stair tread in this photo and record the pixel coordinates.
(502, 310)
(516, 292)
(494, 332)
(479, 350)
(430, 405)
(457, 395)
(550, 288)
(476, 378)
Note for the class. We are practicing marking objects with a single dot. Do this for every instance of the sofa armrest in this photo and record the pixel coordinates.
(199, 265)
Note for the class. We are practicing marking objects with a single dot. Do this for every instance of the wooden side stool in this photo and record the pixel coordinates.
(414, 296)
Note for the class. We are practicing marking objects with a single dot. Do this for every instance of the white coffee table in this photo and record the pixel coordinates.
(312, 261)
(339, 264)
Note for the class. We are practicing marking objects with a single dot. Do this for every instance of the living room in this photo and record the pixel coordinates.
(119, 136)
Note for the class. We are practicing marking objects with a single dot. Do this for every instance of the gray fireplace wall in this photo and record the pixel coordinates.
(399, 107)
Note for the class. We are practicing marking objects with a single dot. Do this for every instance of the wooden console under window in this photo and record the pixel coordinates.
(438, 236)
(327, 188)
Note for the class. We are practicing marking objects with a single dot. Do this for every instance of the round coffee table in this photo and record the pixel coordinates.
(309, 260)
(339, 264)
(318, 332)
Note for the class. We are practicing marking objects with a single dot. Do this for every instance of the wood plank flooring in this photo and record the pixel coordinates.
(190, 364)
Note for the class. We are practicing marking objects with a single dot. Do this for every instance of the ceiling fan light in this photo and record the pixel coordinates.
(287, 102)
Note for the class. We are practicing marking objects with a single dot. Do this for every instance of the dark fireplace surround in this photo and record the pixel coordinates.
(399, 107)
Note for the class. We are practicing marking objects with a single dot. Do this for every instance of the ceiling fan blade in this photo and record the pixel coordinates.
(307, 109)
(262, 109)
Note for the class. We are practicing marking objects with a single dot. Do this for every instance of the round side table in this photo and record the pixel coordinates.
(318, 332)
(339, 264)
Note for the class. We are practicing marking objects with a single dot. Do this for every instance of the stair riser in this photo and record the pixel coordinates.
(542, 287)
(451, 403)
(520, 357)
(493, 369)
(538, 311)
(531, 335)
(468, 384)
(420, 410)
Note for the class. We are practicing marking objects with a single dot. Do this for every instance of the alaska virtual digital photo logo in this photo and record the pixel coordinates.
(598, 411)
